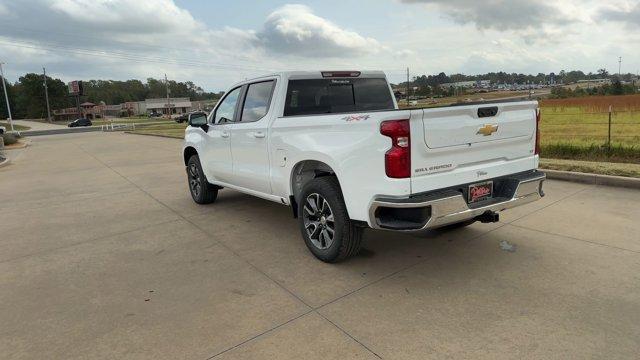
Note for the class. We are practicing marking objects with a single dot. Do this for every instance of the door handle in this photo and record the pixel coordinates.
(224, 134)
(258, 134)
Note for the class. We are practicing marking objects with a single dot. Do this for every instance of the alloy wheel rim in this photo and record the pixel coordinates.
(195, 183)
(319, 222)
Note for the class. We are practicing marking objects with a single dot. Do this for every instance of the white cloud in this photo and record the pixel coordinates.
(147, 38)
(627, 13)
(295, 30)
(497, 14)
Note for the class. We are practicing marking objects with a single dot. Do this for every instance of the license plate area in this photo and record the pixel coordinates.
(480, 191)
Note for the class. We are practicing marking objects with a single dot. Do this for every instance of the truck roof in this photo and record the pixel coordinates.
(286, 75)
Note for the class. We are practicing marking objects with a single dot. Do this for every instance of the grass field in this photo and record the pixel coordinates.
(173, 130)
(98, 122)
(445, 101)
(593, 167)
(15, 127)
(578, 128)
(129, 120)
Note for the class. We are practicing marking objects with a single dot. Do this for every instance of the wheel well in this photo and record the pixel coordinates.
(306, 171)
(188, 153)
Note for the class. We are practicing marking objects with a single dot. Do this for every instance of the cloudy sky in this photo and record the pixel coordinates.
(215, 43)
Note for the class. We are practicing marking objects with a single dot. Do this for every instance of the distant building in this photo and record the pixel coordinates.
(203, 105)
(459, 84)
(595, 81)
(113, 110)
(175, 106)
(87, 110)
(134, 108)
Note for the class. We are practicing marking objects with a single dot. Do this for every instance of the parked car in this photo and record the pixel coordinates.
(182, 118)
(80, 122)
(185, 117)
(335, 148)
(152, 115)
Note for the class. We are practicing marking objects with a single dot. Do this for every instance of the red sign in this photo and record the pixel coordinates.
(75, 87)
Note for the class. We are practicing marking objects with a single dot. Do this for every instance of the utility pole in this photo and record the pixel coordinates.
(166, 82)
(6, 97)
(407, 86)
(46, 93)
(619, 66)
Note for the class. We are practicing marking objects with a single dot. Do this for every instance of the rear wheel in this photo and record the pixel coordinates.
(325, 225)
(201, 190)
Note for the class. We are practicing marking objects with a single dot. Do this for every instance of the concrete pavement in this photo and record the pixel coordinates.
(103, 254)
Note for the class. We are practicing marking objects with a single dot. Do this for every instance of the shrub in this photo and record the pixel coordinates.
(9, 139)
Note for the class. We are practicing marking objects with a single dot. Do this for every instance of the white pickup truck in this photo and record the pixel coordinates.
(335, 147)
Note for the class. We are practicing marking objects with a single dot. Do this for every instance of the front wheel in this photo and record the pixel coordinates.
(201, 190)
(326, 227)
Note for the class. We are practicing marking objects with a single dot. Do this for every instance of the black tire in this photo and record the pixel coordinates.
(347, 237)
(201, 190)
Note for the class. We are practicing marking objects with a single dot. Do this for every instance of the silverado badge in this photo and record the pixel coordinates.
(487, 129)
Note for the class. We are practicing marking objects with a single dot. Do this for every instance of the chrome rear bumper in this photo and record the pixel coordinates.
(449, 206)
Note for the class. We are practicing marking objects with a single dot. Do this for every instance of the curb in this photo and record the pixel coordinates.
(593, 179)
(4, 162)
(75, 130)
(17, 146)
(156, 135)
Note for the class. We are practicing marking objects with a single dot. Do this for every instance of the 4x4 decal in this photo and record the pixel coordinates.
(355, 118)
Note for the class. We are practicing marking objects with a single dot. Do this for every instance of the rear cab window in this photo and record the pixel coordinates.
(338, 95)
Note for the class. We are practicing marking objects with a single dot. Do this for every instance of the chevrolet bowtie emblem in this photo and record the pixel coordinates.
(487, 130)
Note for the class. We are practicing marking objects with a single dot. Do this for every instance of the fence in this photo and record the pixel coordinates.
(577, 126)
(132, 125)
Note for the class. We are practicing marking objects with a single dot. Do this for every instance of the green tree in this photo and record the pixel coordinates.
(4, 114)
(616, 88)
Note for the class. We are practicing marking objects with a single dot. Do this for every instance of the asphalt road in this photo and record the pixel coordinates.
(104, 255)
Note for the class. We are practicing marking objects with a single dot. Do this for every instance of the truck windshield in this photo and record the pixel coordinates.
(326, 96)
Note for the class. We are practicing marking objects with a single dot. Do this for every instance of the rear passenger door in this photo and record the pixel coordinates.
(249, 145)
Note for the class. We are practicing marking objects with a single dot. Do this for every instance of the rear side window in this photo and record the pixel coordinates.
(256, 104)
(326, 96)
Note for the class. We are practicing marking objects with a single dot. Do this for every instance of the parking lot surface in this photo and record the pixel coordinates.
(103, 254)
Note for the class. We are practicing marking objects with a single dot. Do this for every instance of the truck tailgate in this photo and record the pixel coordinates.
(464, 125)
(463, 144)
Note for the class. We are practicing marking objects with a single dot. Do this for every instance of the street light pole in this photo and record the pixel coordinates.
(166, 82)
(6, 96)
(46, 94)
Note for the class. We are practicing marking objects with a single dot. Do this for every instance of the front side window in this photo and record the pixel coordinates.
(227, 109)
(326, 96)
(256, 103)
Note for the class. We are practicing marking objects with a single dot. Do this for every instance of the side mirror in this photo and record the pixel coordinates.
(198, 120)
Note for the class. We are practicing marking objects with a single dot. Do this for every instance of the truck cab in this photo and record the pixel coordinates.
(334, 146)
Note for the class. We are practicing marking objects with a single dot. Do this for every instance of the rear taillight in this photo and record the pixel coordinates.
(537, 148)
(397, 160)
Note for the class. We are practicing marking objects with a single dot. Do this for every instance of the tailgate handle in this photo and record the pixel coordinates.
(487, 111)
